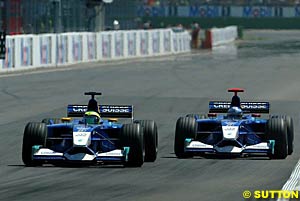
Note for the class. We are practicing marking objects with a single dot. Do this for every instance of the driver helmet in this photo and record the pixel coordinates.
(91, 117)
(235, 113)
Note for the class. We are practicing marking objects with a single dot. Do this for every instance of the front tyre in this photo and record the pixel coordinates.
(277, 130)
(35, 133)
(132, 136)
(186, 127)
(151, 139)
(290, 131)
(290, 134)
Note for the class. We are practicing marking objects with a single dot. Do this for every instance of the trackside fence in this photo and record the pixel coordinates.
(220, 36)
(45, 50)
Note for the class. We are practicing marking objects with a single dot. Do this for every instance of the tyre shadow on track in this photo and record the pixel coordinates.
(73, 166)
(220, 157)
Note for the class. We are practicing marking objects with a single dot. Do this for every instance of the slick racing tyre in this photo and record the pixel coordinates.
(50, 121)
(132, 136)
(290, 134)
(35, 133)
(277, 130)
(186, 127)
(290, 131)
(151, 139)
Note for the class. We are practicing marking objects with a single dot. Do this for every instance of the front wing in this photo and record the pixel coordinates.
(195, 147)
(47, 155)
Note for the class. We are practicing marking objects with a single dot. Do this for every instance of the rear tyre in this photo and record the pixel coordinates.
(186, 127)
(132, 136)
(35, 133)
(151, 139)
(277, 130)
(49, 121)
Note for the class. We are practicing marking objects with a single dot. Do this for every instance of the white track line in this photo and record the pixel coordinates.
(293, 182)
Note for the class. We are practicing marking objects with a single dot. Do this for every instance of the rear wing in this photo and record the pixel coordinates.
(247, 107)
(106, 111)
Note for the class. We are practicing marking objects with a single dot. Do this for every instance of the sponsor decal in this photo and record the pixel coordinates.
(77, 47)
(258, 147)
(156, 41)
(131, 44)
(45, 53)
(144, 39)
(91, 42)
(79, 108)
(103, 109)
(229, 123)
(167, 41)
(106, 46)
(229, 129)
(107, 158)
(230, 132)
(220, 106)
(257, 12)
(61, 52)
(209, 11)
(26, 51)
(9, 54)
(113, 106)
(131, 48)
(204, 11)
(81, 138)
(48, 153)
(116, 110)
(81, 129)
(48, 158)
(119, 44)
(79, 134)
(254, 106)
(244, 105)
(151, 11)
(112, 154)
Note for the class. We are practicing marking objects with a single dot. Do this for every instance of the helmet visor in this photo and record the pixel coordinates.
(91, 119)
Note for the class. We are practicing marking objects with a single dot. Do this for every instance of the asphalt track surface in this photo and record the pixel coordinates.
(265, 63)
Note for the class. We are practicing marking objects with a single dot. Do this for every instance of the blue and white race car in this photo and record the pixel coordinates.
(97, 137)
(240, 130)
